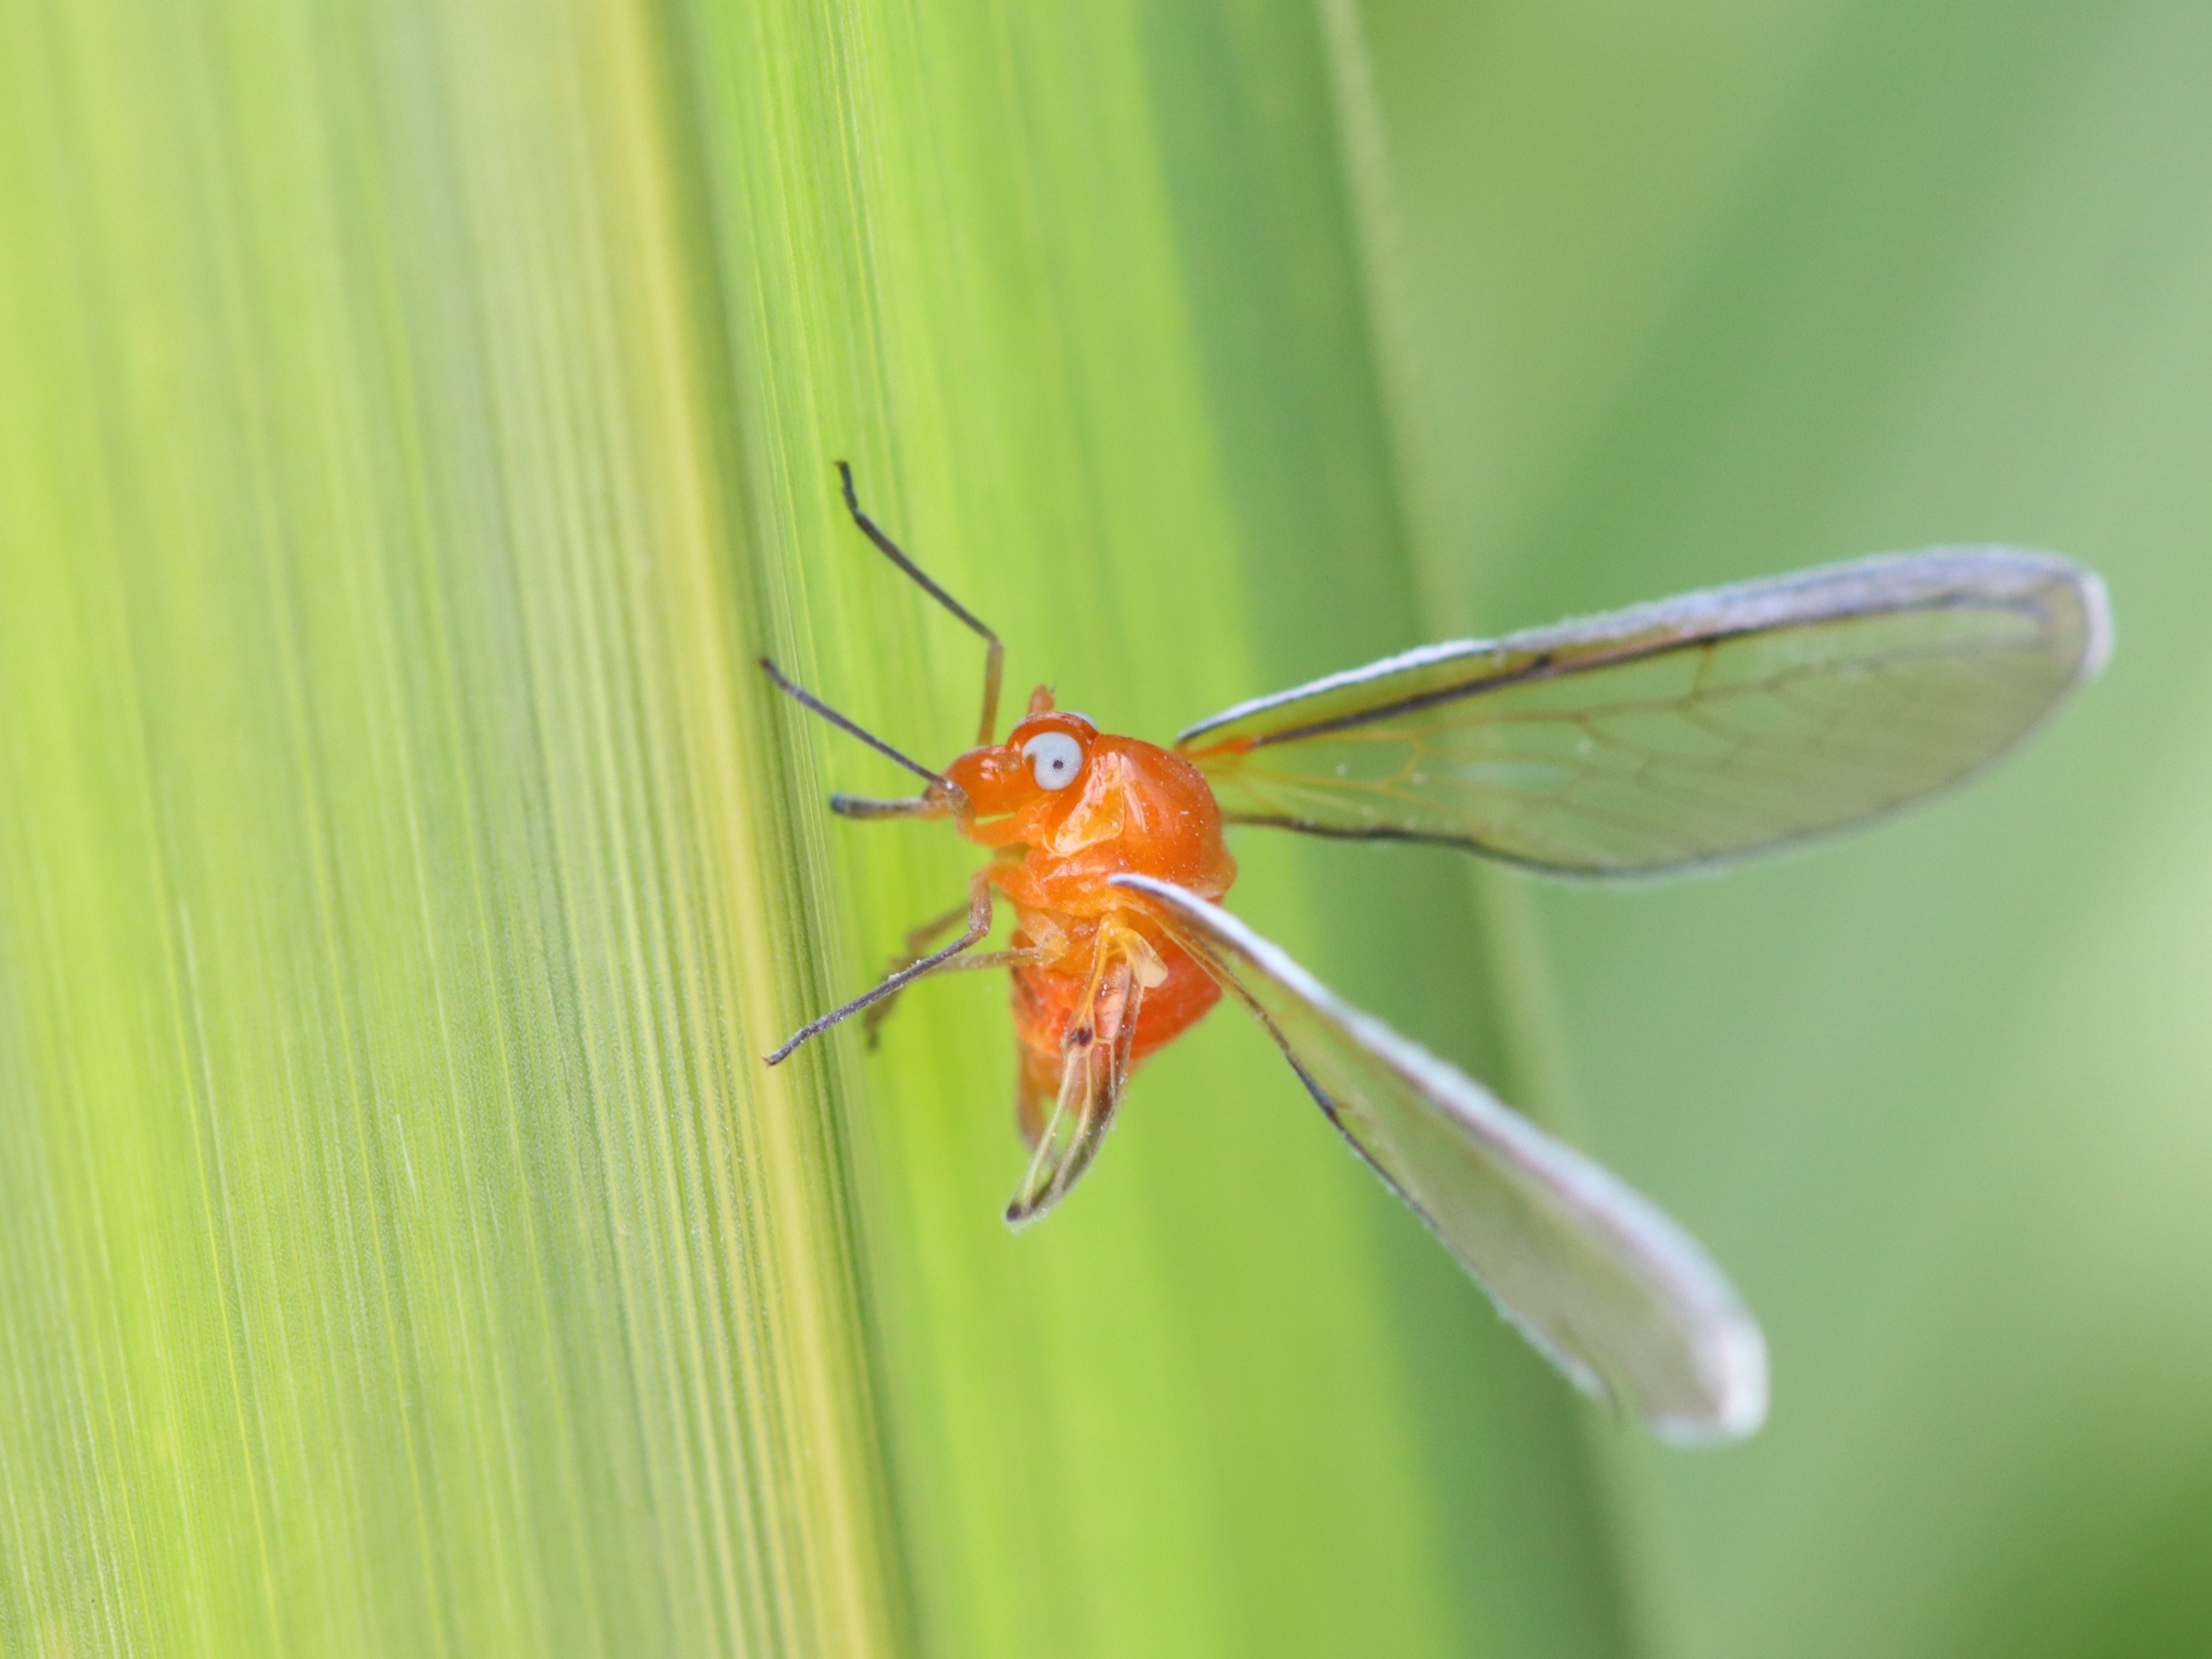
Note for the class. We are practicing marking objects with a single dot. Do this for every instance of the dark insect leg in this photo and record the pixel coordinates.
(979, 924)
(995, 654)
(917, 945)
(1026, 955)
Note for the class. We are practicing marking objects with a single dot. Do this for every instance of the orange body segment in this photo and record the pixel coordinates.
(1127, 806)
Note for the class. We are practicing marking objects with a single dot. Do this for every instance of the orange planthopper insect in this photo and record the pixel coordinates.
(1681, 735)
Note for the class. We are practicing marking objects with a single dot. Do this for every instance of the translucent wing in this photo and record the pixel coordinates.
(1094, 1070)
(1686, 733)
(1617, 1296)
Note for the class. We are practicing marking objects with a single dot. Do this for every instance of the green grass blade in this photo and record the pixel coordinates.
(404, 1251)
(414, 420)
(1139, 428)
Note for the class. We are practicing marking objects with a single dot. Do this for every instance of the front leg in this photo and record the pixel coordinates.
(979, 925)
(1040, 951)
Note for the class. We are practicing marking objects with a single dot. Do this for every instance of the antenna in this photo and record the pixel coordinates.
(800, 695)
(995, 656)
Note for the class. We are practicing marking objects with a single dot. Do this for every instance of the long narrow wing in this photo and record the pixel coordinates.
(1690, 732)
(1094, 1071)
(1614, 1293)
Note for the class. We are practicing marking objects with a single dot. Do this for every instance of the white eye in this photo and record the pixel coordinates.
(1055, 758)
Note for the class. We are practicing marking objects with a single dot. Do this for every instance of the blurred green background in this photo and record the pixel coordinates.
(415, 417)
(1705, 290)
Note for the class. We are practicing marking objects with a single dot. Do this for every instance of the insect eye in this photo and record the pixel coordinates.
(1055, 758)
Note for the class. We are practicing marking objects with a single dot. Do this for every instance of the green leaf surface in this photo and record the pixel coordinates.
(414, 421)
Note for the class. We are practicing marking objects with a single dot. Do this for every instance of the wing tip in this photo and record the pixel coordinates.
(1739, 1394)
(2096, 622)
(2093, 599)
